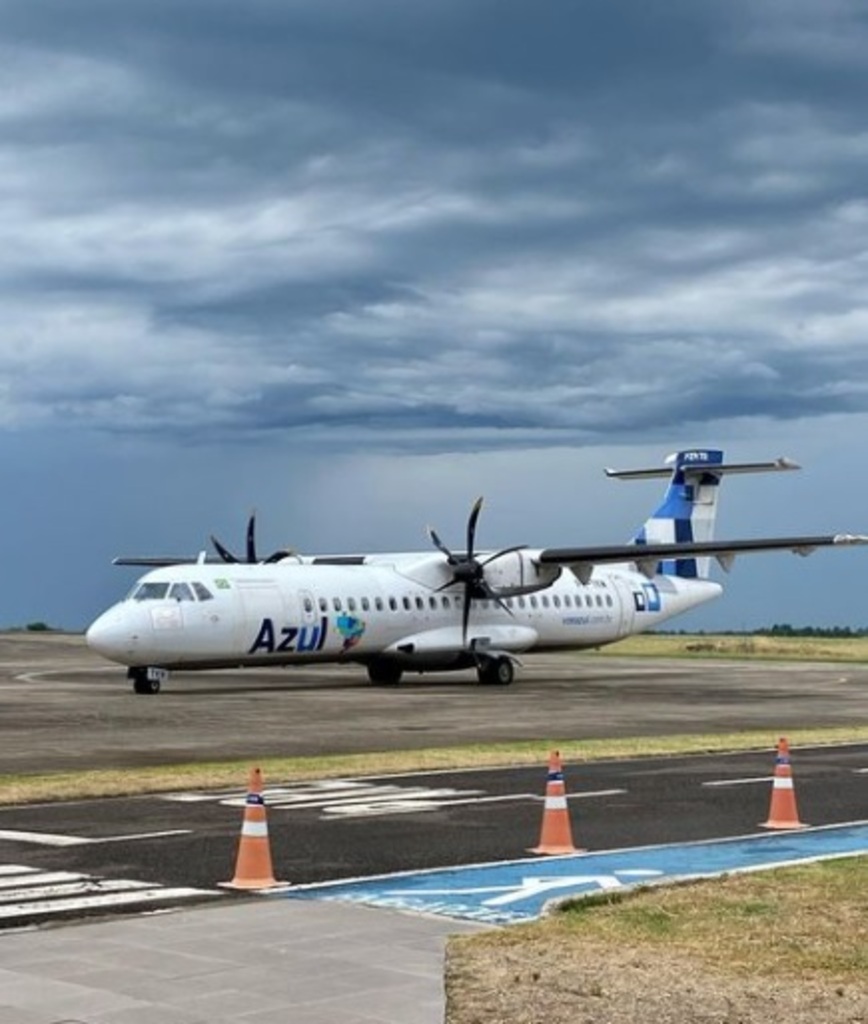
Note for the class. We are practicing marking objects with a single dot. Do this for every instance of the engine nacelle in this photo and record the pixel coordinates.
(518, 572)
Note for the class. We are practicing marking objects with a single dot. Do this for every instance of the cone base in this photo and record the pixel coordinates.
(254, 883)
(555, 851)
(783, 825)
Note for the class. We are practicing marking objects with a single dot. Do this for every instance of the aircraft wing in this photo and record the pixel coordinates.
(159, 562)
(647, 556)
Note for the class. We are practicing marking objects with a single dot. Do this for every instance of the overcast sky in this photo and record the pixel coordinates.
(354, 263)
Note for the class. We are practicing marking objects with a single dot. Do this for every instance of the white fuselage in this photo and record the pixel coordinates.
(206, 615)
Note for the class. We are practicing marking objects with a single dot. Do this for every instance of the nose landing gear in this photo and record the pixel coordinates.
(147, 678)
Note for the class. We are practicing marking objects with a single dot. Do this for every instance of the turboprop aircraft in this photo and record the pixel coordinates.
(439, 609)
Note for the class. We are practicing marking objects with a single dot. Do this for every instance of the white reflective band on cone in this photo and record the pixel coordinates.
(257, 829)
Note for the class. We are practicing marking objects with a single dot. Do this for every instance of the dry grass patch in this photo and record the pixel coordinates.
(169, 778)
(18, 789)
(775, 648)
(791, 941)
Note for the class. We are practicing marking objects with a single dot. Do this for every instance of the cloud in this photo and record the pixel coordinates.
(238, 237)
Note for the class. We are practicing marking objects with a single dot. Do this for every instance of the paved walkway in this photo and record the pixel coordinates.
(272, 961)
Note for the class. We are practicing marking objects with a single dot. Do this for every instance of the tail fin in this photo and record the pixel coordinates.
(689, 507)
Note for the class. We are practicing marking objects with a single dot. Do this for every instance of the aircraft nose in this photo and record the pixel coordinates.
(111, 635)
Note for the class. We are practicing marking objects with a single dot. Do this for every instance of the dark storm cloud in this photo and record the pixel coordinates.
(472, 222)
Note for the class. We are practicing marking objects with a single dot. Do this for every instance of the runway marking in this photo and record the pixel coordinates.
(26, 893)
(740, 782)
(55, 839)
(344, 798)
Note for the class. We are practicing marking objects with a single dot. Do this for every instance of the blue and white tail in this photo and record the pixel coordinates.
(689, 508)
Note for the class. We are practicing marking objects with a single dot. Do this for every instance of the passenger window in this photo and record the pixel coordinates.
(181, 592)
(545, 600)
(444, 600)
(568, 601)
(420, 604)
(351, 604)
(308, 605)
(202, 592)
(589, 601)
(393, 604)
(599, 601)
(366, 605)
(323, 605)
(432, 603)
(533, 601)
(556, 601)
(521, 602)
(336, 604)
(406, 602)
(609, 600)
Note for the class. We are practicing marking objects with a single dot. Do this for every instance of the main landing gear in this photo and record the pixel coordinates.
(496, 671)
(384, 673)
(147, 679)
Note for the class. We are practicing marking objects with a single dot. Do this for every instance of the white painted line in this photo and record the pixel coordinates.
(861, 771)
(91, 886)
(41, 878)
(42, 838)
(15, 869)
(49, 907)
(593, 793)
(740, 782)
(53, 839)
(141, 835)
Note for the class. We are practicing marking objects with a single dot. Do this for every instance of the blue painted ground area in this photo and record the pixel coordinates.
(513, 891)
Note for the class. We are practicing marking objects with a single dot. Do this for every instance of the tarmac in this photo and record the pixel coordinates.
(271, 961)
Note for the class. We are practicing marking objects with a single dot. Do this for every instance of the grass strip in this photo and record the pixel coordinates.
(56, 786)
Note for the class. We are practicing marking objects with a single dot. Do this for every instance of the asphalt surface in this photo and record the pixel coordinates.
(337, 829)
(62, 707)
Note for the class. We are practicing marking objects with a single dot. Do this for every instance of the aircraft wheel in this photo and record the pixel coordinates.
(384, 673)
(497, 672)
(141, 683)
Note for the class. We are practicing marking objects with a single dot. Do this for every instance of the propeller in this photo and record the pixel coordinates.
(469, 571)
(251, 559)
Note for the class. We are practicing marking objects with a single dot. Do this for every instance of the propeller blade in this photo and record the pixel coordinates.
(465, 616)
(471, 527)
(505, 551)
(432, 533)
(251, 539)
(224, 553)
(276, 556)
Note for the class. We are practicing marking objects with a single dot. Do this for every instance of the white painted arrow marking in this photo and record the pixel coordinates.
(532, 886)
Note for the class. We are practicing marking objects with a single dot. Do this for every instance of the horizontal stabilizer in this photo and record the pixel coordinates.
(700, 468)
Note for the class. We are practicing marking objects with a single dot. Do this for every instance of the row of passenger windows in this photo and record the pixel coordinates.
(445, 601)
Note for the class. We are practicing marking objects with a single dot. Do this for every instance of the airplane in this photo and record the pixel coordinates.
(434, 610)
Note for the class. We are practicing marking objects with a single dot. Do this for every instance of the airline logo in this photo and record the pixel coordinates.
(273, 639)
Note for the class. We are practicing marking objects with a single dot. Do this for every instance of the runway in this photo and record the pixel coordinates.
(62, 707)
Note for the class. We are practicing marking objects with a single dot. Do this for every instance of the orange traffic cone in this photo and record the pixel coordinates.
(253, 864)
(783, 813)
(556, 836)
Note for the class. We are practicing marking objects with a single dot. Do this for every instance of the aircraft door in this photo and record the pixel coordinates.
(626, 606)
(261, 602)
(308, 614)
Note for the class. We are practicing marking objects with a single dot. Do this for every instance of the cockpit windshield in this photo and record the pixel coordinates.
(150, 591)
(153, 591)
